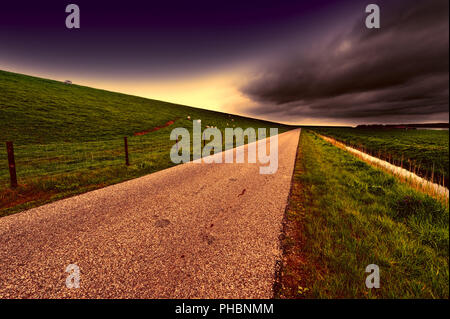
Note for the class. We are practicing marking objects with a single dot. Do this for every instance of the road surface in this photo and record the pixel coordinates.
(191, 231)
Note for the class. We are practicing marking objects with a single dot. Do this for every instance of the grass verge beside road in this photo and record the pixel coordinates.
(344, 215)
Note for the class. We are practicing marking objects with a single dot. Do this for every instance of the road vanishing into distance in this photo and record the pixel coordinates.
(190, 231)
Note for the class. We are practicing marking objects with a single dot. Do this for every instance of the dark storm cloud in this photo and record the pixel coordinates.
(138, 39)
(399, 71)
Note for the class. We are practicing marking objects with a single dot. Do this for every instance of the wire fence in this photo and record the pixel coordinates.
(57, 158)
(47, 160)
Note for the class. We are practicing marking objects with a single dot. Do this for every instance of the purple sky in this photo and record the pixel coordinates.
(279, 60)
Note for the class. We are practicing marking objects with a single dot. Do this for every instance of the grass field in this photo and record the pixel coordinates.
(68, 139)
(423, 151)
(344, 215)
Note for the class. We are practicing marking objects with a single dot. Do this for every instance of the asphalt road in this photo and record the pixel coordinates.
(191, 231)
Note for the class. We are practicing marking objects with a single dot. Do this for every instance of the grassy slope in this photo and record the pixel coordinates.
(426, 150)
(68, 139)
(344, 215)
(35, 110)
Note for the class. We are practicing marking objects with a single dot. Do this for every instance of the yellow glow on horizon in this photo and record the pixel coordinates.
(215, 91)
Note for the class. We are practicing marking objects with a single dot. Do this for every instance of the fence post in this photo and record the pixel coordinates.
(127, 161)
(12, 164)
(203, 140)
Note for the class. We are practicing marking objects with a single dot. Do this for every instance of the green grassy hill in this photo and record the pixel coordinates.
(35, 110)
(68, 139)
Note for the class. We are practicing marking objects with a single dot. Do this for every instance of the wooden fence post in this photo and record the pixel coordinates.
(12, 164)
(203, 140)
(127, 161)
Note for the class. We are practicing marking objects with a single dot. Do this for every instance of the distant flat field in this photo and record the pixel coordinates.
(422, 151)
